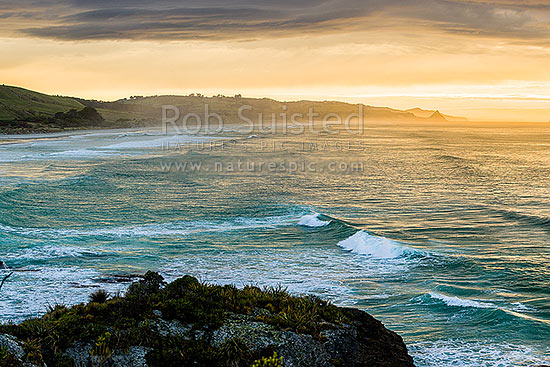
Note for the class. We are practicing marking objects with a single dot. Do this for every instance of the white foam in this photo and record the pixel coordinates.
(147, 143)
(374, 246)
(51, 251)
(169, 229)
(80, 153)
(29, 293)
(156, 143)
(460, 302)
(94, 145)
(312, 220)
(518, 306)
(453, 353)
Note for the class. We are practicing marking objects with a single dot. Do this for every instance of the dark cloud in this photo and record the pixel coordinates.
(240, 19)
(478, 18)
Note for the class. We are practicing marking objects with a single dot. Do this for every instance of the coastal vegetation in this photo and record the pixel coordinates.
(24, 111)
(188, 322)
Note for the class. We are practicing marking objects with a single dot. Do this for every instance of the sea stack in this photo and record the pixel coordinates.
(437, 116)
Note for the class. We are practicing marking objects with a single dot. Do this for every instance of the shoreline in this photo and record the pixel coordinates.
(16, 138)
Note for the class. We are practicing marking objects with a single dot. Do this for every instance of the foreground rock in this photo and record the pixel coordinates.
(190, 323)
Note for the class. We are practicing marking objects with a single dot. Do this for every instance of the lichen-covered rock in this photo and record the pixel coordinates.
(169, 328)
(81, 354)
(357, 344)
(12, 353)
(134, 357)
(11, 346)
(256, 335)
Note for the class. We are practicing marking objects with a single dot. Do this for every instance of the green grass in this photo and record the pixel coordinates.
(24, 111)
(16, 103)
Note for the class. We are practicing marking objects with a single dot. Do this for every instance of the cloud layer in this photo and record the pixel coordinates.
(528, 21)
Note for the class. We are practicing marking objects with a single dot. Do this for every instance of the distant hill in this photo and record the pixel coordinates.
(24, 111)
(228, 107)
(18, 103)
(418, 112)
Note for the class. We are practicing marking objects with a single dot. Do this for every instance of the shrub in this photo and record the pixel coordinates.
(145, 288)
(7, 359)
(101, 296)
(273, 361)
(233, 352)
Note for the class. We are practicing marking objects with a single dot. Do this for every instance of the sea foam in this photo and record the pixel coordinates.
(312, 220)
(375, 246)
(455, 353)
(168, 229)
(53, 251)
(148, 143)
(460, 302)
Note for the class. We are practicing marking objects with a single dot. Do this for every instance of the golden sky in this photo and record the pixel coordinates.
(486, 60)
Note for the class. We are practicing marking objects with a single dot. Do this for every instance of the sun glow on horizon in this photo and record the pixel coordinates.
(493, 68)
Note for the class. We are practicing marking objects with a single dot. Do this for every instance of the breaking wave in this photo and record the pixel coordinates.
(375, 246)
(460, 302)
(313, 220)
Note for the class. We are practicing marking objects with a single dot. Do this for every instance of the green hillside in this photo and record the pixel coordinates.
(24, 111)
(18, 103)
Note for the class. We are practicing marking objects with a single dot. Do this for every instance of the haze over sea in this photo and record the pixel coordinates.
(441, 231)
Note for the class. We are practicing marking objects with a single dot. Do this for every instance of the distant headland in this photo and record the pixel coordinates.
(24, 111)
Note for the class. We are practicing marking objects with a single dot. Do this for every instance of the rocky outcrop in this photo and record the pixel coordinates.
(363, 342)
(190, 323)
(82, 356)
(10, 345)
(12, 353)
(437, 117)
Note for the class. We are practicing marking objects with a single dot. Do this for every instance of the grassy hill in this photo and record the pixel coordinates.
(26, 111)
(227, 107)
(18, 103)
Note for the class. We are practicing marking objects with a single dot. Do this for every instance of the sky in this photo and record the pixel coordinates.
(485, 60)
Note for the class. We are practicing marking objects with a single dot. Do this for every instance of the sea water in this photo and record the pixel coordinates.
(440, 231)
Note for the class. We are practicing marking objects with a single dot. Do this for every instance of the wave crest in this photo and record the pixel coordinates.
(312, 220)
(527, 218)
(460, 302)
(375, 246)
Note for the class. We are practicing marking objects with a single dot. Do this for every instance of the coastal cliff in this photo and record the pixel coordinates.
(188, 322)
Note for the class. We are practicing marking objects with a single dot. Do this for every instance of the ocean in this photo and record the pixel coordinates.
(441, 231)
